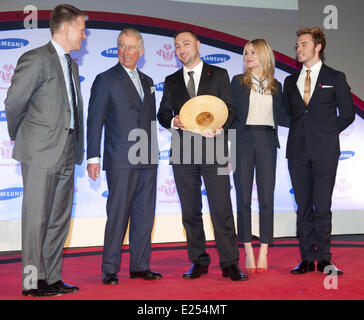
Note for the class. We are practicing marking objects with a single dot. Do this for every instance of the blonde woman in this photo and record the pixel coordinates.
(259, 110)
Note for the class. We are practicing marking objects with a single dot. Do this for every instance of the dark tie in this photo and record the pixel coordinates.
(191, 85)
(75, 111)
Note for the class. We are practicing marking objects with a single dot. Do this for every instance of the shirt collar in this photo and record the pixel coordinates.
(60, 51)
(314, 69)
(197, 69)
(128, 70)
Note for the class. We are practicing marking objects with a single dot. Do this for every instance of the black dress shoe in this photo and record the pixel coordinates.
(43, 290)
(146, 275)
(234, 273)
(110, 278)
(64, 287)
(195, 271)
(329, 268)
(303, 267)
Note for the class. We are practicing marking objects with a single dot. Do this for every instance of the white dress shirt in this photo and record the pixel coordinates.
(63, 60)
(315, 70)
(196, 78)
(260, 107)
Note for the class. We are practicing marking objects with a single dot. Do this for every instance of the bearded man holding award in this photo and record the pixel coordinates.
(192, 156)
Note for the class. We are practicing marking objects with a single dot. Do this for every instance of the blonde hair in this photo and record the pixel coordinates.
(267, 60)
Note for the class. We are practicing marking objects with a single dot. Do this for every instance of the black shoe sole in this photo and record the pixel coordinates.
(303, 272)
(240, 279)
(33, 294)
(189, 276)
(113, 282)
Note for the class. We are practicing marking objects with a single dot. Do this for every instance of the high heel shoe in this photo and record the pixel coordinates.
(250, 266)
(262, 270)
(251, 270)
(262, 265)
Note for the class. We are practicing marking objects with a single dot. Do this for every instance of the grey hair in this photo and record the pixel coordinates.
(134, 32)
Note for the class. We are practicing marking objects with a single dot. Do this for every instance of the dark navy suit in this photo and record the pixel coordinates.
(116, 105)
(256, 150)
(313, 150)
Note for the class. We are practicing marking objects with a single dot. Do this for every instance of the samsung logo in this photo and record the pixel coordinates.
(215, 58)
(346, 155)
(291, 191)
(81, 78)
(11, 193)
(2, 115)
(159, 86)
(12, 43)
(110, 53)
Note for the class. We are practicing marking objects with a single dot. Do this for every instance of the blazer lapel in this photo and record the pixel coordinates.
(320, 77)
(145, 86)
(57, 64)
(294, 83)
(204, 80)
(77, 83)
(133, 95)
(297, 91)
(180, 87)
(244, 99)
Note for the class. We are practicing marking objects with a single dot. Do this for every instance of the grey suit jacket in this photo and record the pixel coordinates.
(38, 111)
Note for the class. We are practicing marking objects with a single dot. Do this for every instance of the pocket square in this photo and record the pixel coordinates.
(325, 86)
(152, 89)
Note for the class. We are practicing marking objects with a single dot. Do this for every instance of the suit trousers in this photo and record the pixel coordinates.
(313, 183)
(261, 156)
(188, 183)
(132, 195)
(46, 215)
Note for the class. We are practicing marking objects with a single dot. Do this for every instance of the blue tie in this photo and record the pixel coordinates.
(136, 81)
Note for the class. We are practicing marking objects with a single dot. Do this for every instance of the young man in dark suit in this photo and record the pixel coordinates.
(321, 106)
(205, 80)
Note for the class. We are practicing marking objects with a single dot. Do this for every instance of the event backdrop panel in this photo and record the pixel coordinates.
(98, 53)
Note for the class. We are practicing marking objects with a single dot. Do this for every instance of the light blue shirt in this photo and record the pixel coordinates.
(136, 80)
(63, 60)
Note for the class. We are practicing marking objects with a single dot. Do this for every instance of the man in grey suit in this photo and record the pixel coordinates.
(45, 119)
(123, 101)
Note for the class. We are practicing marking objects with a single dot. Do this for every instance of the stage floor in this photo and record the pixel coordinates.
(82, 267)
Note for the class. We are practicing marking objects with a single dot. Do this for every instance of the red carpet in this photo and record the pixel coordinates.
(82, 268)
